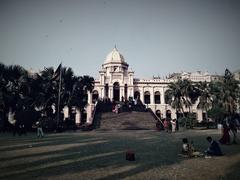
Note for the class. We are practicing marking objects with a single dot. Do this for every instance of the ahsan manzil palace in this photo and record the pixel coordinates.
(117, 83)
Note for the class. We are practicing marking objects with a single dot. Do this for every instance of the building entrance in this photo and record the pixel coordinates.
(116, 91)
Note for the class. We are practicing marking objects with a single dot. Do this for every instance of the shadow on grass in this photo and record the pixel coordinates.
(234, 172)
(46, 143)
(19, 143)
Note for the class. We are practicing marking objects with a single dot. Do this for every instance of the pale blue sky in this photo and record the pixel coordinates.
(156, 37)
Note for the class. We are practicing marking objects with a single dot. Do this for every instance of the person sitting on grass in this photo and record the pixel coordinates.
(188, 150)
(214, 148)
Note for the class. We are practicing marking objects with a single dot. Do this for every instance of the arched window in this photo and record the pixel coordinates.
(168, 114)
(147, 97)
(106, 90)
(116, 91)
(157, 97)
(94, 96)
(136, 95)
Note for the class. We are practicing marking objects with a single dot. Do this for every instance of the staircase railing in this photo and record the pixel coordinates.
(155, 116)
(139, 106)
(94, 114)
(91, 126)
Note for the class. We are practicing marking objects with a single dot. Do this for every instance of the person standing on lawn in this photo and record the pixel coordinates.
(226, 136)
(39, 127)
(173, 123)
(166, 125)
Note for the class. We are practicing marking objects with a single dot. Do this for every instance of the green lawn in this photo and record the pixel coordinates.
(101, 155)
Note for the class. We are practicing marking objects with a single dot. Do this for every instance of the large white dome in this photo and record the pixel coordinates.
(114, 56)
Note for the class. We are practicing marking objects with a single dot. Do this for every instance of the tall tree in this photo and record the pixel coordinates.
(14, 92)
(174, 96)
(21, 91)
(67, 88)
(190, 93)
(3, 95)
(230, 93)
(79, 96)
(181, 95)
(45, 91)
(205, 98)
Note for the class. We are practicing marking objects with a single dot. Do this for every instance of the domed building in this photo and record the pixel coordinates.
(116, 82)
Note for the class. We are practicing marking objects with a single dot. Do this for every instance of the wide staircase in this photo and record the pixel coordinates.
(131, 116)
(126, 121)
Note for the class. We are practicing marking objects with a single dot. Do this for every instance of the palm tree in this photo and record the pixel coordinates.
(3, 95)
(16, 77)
(182, 94)
(174, 96)
(230, 93)
(79, 93)
(14, 90)
(68, 81)
(20, 92)
(205, 98)
(190, 94)
(3, 84)
(88, 82)
(45, 90)
(225, 95)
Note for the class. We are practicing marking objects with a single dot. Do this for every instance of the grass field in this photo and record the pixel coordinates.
(101, 155)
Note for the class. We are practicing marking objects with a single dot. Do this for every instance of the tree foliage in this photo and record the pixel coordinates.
(21, 91)
(215, 98)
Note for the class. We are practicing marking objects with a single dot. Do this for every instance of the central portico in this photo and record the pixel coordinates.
(116, 81)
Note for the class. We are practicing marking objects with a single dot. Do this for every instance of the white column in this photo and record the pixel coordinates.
(102, 93)
(131, 80)
(89, 97)
(174, 114)
(110, 77)
(89, 113)
(130, 92)
(152, 96)
(121, 92)
(142, 95)
(165, 110)
(162, 96)
(65, 112)
(77, 118)
(199, 115)
(103, 79)
(110, 92)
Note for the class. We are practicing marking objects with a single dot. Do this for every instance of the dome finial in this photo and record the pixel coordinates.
(114, 56)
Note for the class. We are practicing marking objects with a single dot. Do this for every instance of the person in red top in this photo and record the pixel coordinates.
(226, 136)
(166, 125)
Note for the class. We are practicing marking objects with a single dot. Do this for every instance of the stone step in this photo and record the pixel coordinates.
(127, 121)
